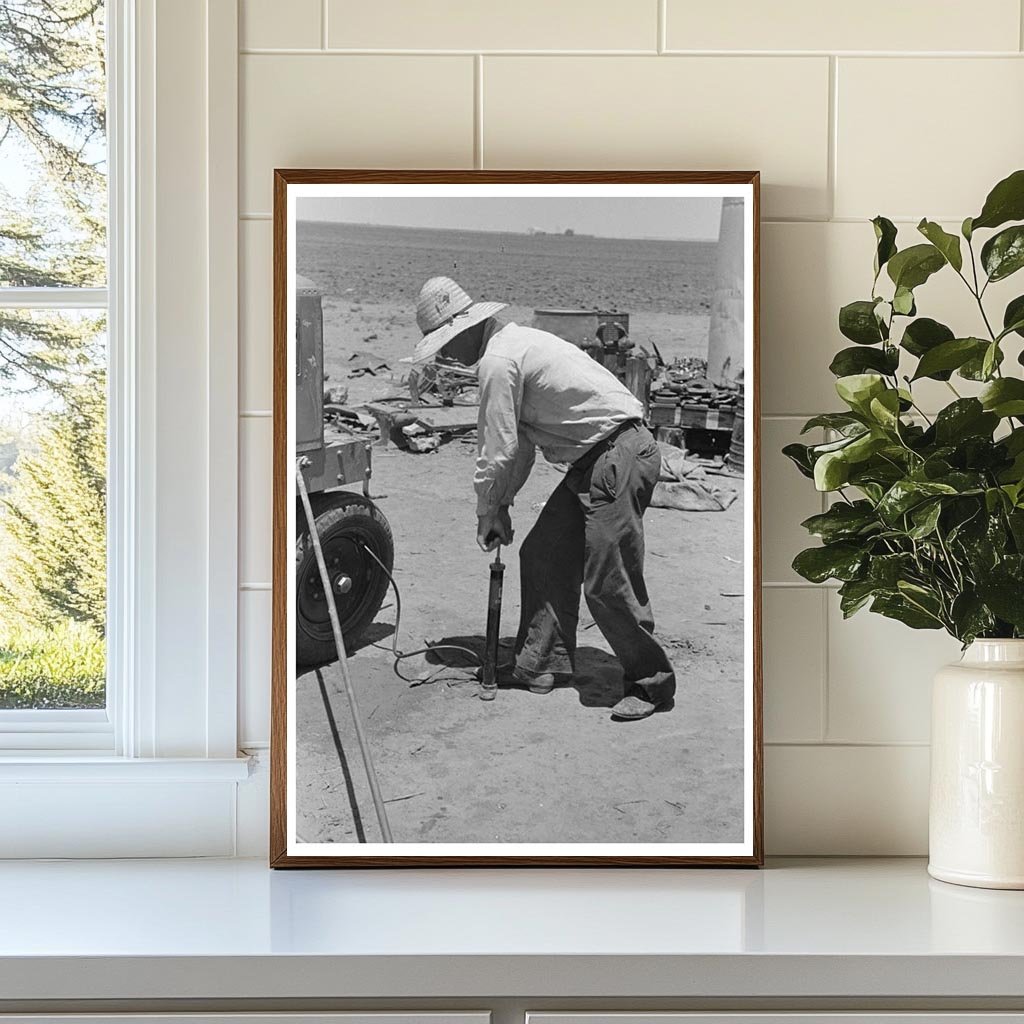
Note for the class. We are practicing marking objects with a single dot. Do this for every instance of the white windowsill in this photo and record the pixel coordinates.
(75, 766)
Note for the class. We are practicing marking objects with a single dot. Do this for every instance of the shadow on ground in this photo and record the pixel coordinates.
(598, 678)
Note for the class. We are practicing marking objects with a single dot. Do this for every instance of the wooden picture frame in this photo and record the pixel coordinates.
(287, 847)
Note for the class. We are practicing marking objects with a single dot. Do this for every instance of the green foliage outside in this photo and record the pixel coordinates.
(52, 471)
(927, 525)
(53, 543)
(58, 667)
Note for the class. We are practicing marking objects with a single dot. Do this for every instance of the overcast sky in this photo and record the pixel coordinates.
(654, 217)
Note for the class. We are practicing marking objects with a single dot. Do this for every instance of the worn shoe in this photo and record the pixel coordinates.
(633, 707)
(544, 683)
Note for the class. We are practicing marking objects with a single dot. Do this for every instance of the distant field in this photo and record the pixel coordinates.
(387, 264)
(370, 277)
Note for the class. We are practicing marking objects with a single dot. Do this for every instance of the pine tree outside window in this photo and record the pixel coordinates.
(53, 364)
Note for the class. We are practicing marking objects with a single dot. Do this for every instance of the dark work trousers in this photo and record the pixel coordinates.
(590, 535)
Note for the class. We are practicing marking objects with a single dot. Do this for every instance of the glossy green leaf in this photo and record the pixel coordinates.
(831, 471)
(924, 334)
(1013, 316)
(885, 409)
(887, 570)
(843, 521)
(924, 519)
(840, 561)
(818, 450)
(865, 446)
(857, 321)
(966, 417)
(971, 616)
(949, 356)
(911, 267)
(1004, 397)
(1014, 441)
(858, 389)
(885, 239)
(990, 360)
(840, 421)
(877, 471)
(964, 481)
(907, 494)
(854, 594)
(903, 302)
(899, 607)
(974, 368)
(1004, 594)
(965, 229)
(1005, 202)
(995, 500)
(800, 456)
(1003, 254)
(947, 244)
(859, 359)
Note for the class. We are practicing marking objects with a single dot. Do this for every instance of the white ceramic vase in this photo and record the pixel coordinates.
(976, 815)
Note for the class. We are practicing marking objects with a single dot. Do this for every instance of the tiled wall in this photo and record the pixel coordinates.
(906, 108)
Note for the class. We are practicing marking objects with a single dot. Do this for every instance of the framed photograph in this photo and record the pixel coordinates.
(516, 609)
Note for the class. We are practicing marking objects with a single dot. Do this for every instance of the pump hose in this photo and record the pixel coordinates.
(400, 656)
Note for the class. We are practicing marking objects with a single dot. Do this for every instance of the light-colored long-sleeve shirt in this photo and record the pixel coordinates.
(537, 390)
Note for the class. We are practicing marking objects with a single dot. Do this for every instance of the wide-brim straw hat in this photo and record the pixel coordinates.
(443, 311)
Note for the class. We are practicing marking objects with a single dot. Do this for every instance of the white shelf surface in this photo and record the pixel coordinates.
(232, 929)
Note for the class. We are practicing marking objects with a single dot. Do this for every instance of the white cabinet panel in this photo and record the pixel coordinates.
(362, 1017)
(775, 1018)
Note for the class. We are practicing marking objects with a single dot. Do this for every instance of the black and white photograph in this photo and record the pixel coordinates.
(515, 523)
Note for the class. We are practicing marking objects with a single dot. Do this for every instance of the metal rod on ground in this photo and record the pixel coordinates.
(489, 676)
(339, 640)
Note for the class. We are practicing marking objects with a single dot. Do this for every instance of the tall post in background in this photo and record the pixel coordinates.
(725, 338)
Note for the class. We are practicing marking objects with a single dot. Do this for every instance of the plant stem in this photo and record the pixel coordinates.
(953, 567)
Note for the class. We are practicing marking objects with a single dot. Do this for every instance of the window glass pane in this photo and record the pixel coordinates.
(52, 509)
(53, 148)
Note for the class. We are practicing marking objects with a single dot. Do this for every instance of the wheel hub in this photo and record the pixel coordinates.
(348, 571)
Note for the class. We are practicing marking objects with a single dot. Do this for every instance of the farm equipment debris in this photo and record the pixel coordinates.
(360, 363)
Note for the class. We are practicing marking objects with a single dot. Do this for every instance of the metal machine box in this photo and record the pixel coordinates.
(309, 367)
(327, 462)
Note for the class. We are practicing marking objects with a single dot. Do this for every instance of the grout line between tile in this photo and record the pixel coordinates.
(851, 744)
(662, 26)
(798, 584)
(823, 724)
(1020, 24)
(256, 51)
(833, 134)
(254, 586)
(860, 54)
(324, 24)
(255, 414)
(353, 51)
(478, 111)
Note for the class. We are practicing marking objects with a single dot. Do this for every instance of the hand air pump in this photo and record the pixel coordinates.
(489, 675)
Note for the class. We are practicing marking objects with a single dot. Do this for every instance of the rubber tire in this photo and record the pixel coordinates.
(344, 521)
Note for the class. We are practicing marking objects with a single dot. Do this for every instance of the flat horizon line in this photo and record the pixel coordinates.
(499, 231)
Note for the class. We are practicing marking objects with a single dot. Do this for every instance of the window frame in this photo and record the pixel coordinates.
(93, 730)
(161, 144)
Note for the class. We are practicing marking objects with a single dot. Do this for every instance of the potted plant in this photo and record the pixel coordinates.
(926, 521)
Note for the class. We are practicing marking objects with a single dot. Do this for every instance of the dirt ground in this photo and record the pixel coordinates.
(525, 768)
